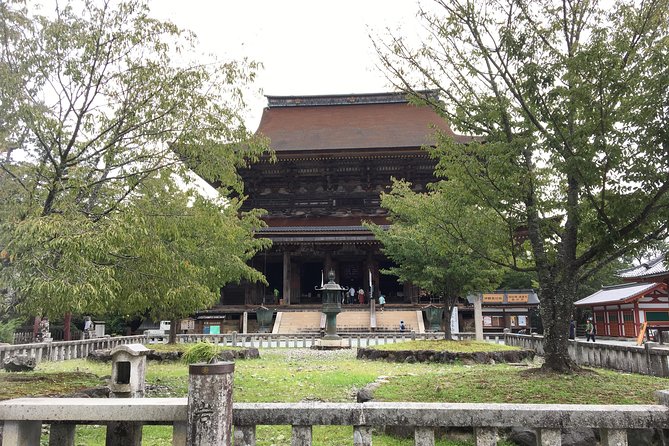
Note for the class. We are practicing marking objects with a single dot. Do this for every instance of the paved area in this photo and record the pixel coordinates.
(623, 342)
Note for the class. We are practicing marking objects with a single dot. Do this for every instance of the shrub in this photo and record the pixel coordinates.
(7, 329)
(201, 352)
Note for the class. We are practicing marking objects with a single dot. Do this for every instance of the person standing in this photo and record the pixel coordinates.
(361, 296)
(382, 301)
(351, 295)
(590, 331)
(88, 326)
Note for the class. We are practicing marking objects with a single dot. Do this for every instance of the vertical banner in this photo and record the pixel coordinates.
(455, 322)
(371, 287)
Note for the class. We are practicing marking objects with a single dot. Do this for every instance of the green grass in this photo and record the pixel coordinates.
(31, 384)
(291, 375)
(442, 345)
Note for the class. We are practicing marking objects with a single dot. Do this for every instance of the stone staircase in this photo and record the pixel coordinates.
(348, 321)
(298, 322)
(390, 320)
(353, 321)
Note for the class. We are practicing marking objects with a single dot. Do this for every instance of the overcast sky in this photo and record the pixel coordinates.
(307, 47)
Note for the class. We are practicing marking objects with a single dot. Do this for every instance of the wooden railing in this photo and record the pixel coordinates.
(23, 418)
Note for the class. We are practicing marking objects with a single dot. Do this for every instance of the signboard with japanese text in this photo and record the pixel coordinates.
(517, 298)
(493, 297)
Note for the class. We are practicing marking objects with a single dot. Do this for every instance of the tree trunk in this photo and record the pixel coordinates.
(173, 332)
(449, 303)
(36, 327)
(556, 312)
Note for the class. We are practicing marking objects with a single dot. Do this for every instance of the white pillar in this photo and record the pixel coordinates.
(478, 316)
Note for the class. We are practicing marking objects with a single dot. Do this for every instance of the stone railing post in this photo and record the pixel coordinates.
(210, 404)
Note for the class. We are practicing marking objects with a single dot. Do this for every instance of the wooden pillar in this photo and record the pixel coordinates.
(287, 277)
(327, 266)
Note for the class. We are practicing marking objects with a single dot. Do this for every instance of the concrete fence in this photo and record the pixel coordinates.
(644, 360)
(208, 413)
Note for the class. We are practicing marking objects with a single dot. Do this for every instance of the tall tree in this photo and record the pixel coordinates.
(570, 104)
(428, 257)
(102, 122)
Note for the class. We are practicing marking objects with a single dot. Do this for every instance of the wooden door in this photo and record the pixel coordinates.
(629, 326)
(614, 323)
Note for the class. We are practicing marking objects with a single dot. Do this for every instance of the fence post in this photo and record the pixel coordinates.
(210, 404)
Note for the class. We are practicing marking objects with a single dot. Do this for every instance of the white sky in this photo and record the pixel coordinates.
(307, 47)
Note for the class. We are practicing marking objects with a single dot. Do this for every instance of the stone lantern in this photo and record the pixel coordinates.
(264, 316)
(332, 296)
(128, 371)
(434, 315)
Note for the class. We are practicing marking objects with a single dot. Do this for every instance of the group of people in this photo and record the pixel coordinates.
(355, 297)
(590, 330)
(359, 297)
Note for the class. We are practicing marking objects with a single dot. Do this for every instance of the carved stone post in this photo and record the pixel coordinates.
(210, 404)
(478, 316)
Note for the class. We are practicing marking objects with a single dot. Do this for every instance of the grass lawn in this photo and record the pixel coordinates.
(290, 375)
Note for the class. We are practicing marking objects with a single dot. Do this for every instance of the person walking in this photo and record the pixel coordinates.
(361, 296)
(382, 301)
(590, 330)
(351, 295)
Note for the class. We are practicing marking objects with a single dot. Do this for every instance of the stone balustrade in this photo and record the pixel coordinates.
(23, 418)
(62, 350)
(305, 340)
(644, 360)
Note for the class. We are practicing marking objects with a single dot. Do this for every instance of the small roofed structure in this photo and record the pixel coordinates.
(503, 309)
(620, 310)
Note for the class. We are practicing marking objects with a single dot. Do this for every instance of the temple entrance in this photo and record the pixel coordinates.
(351, 275)
(389, 286)
(310, 278)
(274, 276)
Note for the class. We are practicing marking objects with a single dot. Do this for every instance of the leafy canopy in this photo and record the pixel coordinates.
(567, 102)
(101, 112)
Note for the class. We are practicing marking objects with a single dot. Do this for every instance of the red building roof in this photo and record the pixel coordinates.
(371, 121)
(618, 294)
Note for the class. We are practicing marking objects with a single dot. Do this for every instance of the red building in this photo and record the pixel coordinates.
(620, 310)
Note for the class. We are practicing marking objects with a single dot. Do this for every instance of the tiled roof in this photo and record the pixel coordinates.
(349, 122)
(653, 267)
(619, 293)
